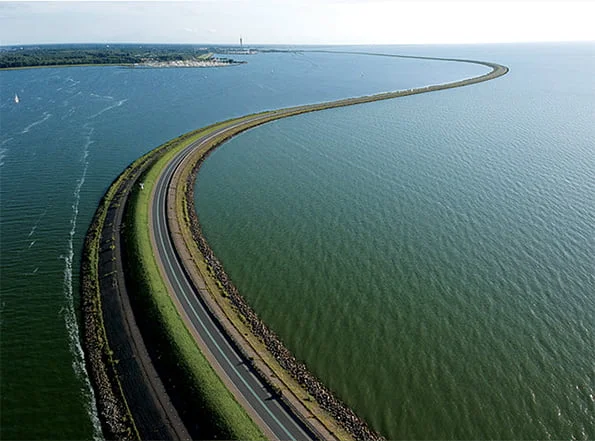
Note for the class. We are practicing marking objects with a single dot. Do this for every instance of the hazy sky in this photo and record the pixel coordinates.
(296, 21)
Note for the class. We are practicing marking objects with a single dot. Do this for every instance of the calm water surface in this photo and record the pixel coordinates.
(73, 132)
(430, 257)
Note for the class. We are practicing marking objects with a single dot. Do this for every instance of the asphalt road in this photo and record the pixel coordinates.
(277, 418)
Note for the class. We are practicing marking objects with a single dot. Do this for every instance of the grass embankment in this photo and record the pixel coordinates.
(205, 404)
(114, 413)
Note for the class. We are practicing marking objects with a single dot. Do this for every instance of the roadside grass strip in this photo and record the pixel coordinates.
(207, 400)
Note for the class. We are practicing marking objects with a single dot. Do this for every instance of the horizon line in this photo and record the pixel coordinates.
(294, 44)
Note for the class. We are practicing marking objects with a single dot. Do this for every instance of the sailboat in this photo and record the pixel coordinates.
(16, 98)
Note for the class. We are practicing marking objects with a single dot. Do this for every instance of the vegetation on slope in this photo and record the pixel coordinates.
(208, 409)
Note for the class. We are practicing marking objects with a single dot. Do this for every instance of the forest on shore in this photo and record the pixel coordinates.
(66, 55)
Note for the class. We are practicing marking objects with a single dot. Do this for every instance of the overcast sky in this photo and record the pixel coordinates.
(296, 22)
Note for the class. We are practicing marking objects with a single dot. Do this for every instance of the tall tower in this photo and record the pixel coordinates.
(241, 43)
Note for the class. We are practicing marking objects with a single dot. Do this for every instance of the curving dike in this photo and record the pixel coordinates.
(133, 402)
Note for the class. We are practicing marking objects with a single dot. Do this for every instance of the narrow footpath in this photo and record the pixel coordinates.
(145, 397)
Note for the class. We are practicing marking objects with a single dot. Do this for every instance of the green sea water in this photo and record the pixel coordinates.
(430, 258)
(71, 133)
(488, 187)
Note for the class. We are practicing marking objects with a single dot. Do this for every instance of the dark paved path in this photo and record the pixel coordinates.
(153, 413)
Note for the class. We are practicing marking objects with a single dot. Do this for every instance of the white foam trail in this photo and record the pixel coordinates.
(70, 113)
(32, 243)
(46, 116)
(70, 83)
(73, 82)
(34, 227)
(118, 104)
(104, 97)
(3, 153)
(4, 150)
(78, 362)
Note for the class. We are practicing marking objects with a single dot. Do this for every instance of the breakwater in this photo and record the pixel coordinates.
(341, 413)
(345, 417)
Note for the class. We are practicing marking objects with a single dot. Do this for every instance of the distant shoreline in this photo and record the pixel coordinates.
(148, 65)
(66, 65)
(187, 64)
(119, 55)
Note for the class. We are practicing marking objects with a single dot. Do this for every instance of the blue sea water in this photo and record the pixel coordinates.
(76, 128)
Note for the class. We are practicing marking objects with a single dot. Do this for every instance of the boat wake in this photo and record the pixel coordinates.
(3, 152)
(69, 114)
(72, 83)
(103, 97)
(118, 104)
(46, 116)
(69, 312)
(39, 218)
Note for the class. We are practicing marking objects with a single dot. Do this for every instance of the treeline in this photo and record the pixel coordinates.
(84, 54)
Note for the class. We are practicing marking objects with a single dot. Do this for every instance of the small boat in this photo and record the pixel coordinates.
(16, 98)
